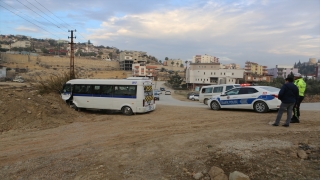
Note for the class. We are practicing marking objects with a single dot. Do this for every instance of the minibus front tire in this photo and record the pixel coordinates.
(126, 110)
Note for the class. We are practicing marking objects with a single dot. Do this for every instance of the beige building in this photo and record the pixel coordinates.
(176, 62)
(202, 74)
(127, 58)
(204, 59)
(255, 68)
(142, 70)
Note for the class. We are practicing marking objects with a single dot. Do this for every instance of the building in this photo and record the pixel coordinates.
(21, 44)
(256, 73)
(204, 59)
(173, 62)
(282, 71)
(142, 70)
(3, 71)
(255, 68)
(202, 74)
(318, 71)
(127, 58)
(312, 61)
(231, 66)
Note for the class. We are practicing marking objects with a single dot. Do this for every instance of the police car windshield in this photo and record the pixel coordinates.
(237, 86)
(271, 89)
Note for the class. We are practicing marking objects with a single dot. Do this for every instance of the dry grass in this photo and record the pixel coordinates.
(52, 84)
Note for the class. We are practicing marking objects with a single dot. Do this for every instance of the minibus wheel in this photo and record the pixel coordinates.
(126, 110)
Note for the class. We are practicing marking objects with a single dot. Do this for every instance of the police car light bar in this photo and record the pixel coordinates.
(245, 84)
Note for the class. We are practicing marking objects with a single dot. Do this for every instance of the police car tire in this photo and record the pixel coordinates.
(126, 110)
(260, 103)
(216, 105)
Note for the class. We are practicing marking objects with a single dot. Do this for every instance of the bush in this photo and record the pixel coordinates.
(54, 84)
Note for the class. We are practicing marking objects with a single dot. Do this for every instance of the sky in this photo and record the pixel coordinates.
(268, 32)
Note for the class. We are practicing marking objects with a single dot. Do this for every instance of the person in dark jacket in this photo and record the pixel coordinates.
(288, 95)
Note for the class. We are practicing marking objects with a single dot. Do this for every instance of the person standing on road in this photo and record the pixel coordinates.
(299, 82)
(288, 95)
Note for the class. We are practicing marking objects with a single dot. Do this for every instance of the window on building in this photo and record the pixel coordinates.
(224, 73)
(204, 73)
(211, 73)
(232, 74)
(214, 73)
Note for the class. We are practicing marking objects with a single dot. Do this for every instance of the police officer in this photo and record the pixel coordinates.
(299, 82)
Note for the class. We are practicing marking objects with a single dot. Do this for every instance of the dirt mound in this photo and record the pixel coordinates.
(24, 108)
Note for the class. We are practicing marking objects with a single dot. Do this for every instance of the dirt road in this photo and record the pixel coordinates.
(42, 138)
(163, 144)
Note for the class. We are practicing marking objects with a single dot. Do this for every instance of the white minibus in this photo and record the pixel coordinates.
(206, 92)
(132, 95)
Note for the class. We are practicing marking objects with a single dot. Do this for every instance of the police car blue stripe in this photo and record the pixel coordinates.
(244, 100)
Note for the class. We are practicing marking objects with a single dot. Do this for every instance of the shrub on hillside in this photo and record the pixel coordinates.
(54, 83)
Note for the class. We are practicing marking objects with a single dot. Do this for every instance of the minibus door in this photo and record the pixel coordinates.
(66, 92)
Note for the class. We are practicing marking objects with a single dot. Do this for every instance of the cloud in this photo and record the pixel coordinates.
(26, 29)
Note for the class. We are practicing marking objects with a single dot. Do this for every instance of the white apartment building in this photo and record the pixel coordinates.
(204, 59)
(202, 74)
(282, 71)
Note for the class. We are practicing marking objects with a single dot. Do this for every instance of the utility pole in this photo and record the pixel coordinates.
(72, 75)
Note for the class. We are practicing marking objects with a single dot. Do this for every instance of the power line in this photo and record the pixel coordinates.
(46, 14)
(28, 20)
(23, 13)
(53, 14)
(60, 19)
(38, 14)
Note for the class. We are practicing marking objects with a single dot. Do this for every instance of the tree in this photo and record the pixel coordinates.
(181, 65)
(44, 50)
(290, 75)
(172, 63)
(175, 80)
(160, 61)
(177, 64)
(166, 58)
(162, 69)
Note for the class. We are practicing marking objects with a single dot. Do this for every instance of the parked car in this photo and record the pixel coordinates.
(158, 91)
(167, 93)
(156, 96)
(18, 79)
(207, 92)
(259, 98)
(162, 89)
(191, 93)
(194, 97)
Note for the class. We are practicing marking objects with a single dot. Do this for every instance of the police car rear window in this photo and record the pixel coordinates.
(271, 89)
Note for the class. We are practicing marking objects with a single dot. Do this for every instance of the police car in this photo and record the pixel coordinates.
(259, 98)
